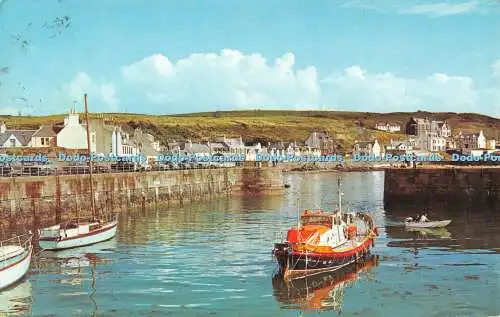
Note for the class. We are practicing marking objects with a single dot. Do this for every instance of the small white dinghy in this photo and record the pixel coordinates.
(76, 234)
(427, 224)
(15, 259)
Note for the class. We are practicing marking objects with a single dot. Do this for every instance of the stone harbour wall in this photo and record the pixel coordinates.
(53, 198)
(445, 186)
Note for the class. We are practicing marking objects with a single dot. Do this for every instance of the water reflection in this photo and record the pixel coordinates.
(442, 233)
(321, 292)
(16, 300)
(72, 264)
(94, 289)
(469, 230)
(213, 259)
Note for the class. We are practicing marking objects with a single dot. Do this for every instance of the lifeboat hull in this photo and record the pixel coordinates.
(294, 264)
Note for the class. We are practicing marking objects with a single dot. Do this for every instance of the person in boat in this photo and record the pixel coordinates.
(424, 218)
(411, 219)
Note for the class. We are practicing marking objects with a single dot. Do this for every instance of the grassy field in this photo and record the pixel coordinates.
(272, 126)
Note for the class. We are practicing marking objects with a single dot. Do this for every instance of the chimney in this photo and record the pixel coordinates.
(3, 128)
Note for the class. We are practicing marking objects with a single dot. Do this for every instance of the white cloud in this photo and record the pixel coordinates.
(441, 8)
(233, 80)
(228, 78)
(108, 95)
(104, 93)
(356, 89)
(496, 68)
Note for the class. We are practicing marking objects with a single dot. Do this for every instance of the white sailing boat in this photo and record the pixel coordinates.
(15, 259)
(80, 232)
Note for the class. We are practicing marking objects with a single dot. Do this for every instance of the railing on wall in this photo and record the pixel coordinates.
(41, 170)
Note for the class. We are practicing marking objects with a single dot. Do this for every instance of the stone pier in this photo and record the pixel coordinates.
(443, 186)
(53, 198)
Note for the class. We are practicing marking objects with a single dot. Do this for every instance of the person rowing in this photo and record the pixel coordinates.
(424, 218)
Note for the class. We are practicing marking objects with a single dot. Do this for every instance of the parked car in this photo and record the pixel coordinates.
(39, 169)
(5, 170)
(101, 168)
(124, 167)
(129, 167)
(76, 168)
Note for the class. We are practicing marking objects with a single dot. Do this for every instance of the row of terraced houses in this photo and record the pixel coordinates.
(106, 138)
(421, 134)
(424, 134)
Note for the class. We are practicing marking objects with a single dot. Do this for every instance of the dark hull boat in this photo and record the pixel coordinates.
(298, 260)
(324, 242)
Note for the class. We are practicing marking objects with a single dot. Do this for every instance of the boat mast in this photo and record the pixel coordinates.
(340, 195)
(298, 214)
(89, 158)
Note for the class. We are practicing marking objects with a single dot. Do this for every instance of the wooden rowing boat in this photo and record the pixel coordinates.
(427, 224)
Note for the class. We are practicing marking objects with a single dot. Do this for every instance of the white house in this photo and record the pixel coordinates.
(444, 129)
(125, 145)
(481, 141)
(438, 144)
(389, 127)
(400, 145)
(430, 135)
(491, 145)
(117, 142)
(252, 151)
(15, 138)
(200, 150)
(234, 145)
(74, 135)
(44, 137)
(376, 150)
(367, 148)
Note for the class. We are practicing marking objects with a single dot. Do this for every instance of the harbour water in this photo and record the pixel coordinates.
(214, 259)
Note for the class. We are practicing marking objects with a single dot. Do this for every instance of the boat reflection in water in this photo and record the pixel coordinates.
(441, 233)
(320, 292)
(470, 229)
(72, 263)
(16, 300)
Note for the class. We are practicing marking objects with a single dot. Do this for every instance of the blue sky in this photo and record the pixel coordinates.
(185, 56)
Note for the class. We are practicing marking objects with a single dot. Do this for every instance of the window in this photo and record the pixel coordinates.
(12, 142)
(43, 141)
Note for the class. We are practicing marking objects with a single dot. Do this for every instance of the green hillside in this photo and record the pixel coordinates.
(272, 126)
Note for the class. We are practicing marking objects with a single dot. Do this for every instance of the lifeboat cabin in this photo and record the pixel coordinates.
(323, 229)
